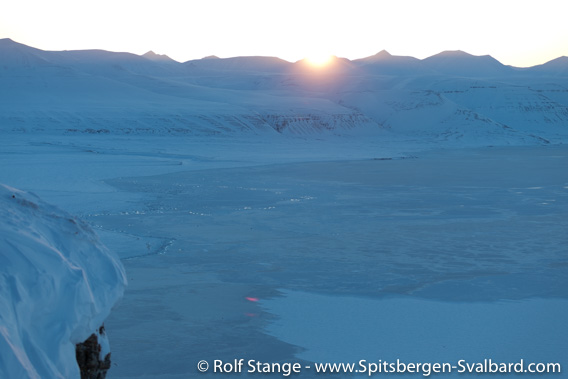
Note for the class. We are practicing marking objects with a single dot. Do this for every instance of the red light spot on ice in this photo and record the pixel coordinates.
(251, 314)
(252, 298)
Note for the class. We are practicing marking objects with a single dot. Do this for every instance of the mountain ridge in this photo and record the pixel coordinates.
(450, 96)
(381, 55)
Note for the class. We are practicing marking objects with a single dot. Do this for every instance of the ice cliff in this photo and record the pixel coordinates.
(58, 283)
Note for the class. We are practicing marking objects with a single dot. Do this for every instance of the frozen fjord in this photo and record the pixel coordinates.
(453, 230)
(451, 234)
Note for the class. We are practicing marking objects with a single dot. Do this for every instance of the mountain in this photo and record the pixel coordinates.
(240, 64)
(459, 63)
(335, 65)
(101, 62)
(451, 96)
(108, 63)
(157, 57)
(383, 63)
(18, 56)
(555, 67)
(382, 55)
(96, 91)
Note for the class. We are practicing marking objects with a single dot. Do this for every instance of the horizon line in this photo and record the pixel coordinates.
(333, 56)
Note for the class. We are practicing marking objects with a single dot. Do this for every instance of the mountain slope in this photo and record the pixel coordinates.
(555, 67)
(451, 93)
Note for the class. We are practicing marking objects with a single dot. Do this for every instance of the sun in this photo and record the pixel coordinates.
(319, 60)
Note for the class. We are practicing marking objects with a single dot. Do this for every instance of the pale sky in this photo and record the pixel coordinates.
(516, 32)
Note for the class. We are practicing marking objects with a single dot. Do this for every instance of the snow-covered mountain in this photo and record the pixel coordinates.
(459, 63)
(383, 63)
(158, 57)
(449, 96)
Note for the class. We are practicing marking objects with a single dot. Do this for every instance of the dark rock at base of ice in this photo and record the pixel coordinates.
(89, 358)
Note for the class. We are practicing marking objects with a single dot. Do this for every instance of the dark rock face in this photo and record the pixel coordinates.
(88, 357)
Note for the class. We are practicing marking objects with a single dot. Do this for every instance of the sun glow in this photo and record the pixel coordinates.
(236, 32)
(319, 60)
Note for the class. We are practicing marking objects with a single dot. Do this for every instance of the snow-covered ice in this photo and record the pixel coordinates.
(58, 284)
(469, 231)
(449, 234)
(414, 329)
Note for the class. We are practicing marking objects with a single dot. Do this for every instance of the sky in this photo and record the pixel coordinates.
(516, 32)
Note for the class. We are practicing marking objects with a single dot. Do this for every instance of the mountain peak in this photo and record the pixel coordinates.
(157, 57)
(558, 66)
(383, 54)
(450, 55)
(560, 60)
(453, 54)
(9, 42)
(460, 63)
(383, 57)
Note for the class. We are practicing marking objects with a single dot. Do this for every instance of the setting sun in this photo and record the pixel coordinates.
(319, 60)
